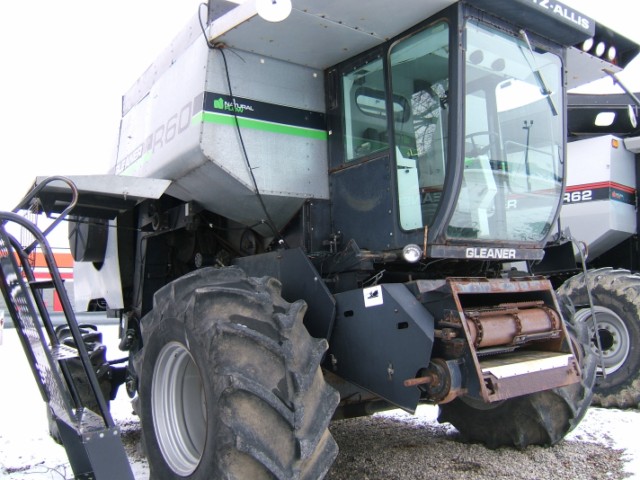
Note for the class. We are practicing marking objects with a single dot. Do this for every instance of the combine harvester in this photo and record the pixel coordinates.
(317, 218)
(601, 210)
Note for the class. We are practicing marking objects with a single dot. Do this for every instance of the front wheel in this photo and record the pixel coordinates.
(229, 382)
(541, 418)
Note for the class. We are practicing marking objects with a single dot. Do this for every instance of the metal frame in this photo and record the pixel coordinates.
(91, 439)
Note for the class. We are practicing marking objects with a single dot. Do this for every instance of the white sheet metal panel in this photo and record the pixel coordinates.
(113, 185)
(602, 220)
(583, 68)
(595, 160)
(103, 282)
(322, 34)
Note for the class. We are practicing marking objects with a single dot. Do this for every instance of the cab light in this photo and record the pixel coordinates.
(412, 253)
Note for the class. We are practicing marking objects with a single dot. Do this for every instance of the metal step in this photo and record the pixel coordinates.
(525, 362)
(64, 352)
(42, 284)
(527, 371)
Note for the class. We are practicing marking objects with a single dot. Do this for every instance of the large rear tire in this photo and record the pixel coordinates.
(542, 418)
(616, 298)
(229, 382)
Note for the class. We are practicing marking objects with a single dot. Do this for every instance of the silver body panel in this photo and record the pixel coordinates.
(166, 135)
(115, 186)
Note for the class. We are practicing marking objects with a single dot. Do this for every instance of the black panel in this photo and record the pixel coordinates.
(583, 110)
(300, 281)
(362, 206)
(557, 259)
(379, 346)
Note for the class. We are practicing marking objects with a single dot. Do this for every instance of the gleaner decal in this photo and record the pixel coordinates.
(491, 253)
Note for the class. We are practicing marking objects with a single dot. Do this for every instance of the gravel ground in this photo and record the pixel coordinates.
(398, 447)
(388, 446)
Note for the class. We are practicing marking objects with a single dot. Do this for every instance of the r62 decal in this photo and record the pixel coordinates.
(578, 196)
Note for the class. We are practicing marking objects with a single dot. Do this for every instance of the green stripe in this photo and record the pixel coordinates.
(221, 119)
(135, 166)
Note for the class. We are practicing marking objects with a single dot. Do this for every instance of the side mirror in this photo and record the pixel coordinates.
(633, 119)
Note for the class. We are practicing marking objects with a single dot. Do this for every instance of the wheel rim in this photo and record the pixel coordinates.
(178, 408)
(614, 337)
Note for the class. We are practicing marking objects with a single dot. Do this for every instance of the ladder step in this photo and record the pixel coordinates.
(42, 284)
(92, 441)
(64, 352)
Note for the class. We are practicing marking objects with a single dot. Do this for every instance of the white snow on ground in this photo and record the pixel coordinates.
(28, 453)
(26, 450)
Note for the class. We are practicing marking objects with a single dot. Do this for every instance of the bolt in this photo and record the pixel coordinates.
(334, 362)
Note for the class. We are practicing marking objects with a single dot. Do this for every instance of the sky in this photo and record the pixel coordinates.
(64, 65)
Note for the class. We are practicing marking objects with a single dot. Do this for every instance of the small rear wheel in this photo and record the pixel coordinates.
(229, 382)
(616, 298)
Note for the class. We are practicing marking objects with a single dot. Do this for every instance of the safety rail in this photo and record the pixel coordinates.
(91, 439)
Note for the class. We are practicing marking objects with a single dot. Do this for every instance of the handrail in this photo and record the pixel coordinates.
(41, 241)
(33, 194)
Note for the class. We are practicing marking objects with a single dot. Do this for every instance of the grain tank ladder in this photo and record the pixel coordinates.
(91, 439)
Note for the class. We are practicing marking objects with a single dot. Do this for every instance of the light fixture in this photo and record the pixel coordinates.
(412, 253)
(633, 118)
(476, 57)
(605, 119)
(611, 54)
(587, 44)
(498, 65)
(274, 10)
(600, 48)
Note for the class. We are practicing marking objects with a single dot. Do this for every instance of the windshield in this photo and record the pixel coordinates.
(512, 177)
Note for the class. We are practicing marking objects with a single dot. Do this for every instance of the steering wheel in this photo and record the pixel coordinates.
(476, 150)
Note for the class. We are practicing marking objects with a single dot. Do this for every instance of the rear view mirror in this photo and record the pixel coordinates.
(633, 119)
